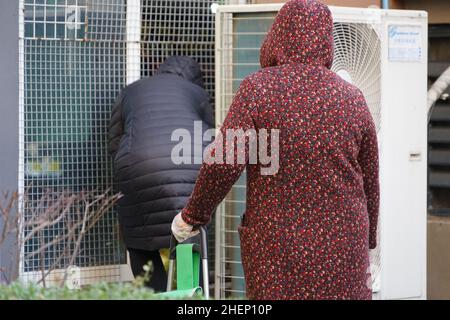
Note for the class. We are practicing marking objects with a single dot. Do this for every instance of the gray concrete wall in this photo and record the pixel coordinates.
(9, 107)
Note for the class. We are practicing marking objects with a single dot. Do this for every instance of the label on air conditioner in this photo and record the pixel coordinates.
(405, 43)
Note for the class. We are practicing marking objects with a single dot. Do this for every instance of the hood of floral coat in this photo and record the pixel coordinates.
(302, 32)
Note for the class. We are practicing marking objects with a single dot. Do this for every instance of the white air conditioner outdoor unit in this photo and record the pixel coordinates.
(384, 53)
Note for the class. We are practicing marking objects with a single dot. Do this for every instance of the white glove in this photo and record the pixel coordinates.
(181, 230)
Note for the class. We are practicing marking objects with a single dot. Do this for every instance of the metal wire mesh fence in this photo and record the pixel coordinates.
(179, 27)
(74, 62)
(76, 55)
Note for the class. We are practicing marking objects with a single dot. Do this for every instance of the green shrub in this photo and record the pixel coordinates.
(98, 291)
(135, 290)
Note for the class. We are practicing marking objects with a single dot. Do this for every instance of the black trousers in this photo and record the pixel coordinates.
(139, 258)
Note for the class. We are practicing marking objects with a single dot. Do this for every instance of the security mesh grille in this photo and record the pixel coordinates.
(76, 58)
(179, 27)
(357, 59)
(74, 65)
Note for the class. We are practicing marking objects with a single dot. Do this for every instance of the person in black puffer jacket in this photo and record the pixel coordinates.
(154, 187)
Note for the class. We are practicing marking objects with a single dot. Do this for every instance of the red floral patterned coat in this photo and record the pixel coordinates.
(307, 230)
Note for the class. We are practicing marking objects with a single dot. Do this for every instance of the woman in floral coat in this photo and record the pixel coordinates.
(308, 228)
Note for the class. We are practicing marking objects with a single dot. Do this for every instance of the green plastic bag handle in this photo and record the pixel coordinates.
(188, 266)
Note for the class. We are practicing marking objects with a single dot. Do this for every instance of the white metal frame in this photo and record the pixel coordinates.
(133, 69)
(133, 40)
(403, 152)
(21, 173)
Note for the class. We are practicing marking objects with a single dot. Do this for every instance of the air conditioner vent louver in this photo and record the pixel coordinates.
(357, 59)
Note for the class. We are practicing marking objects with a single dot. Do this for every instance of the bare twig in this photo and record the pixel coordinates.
(53, 209)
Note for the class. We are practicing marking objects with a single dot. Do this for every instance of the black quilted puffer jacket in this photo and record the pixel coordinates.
(144, 117)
